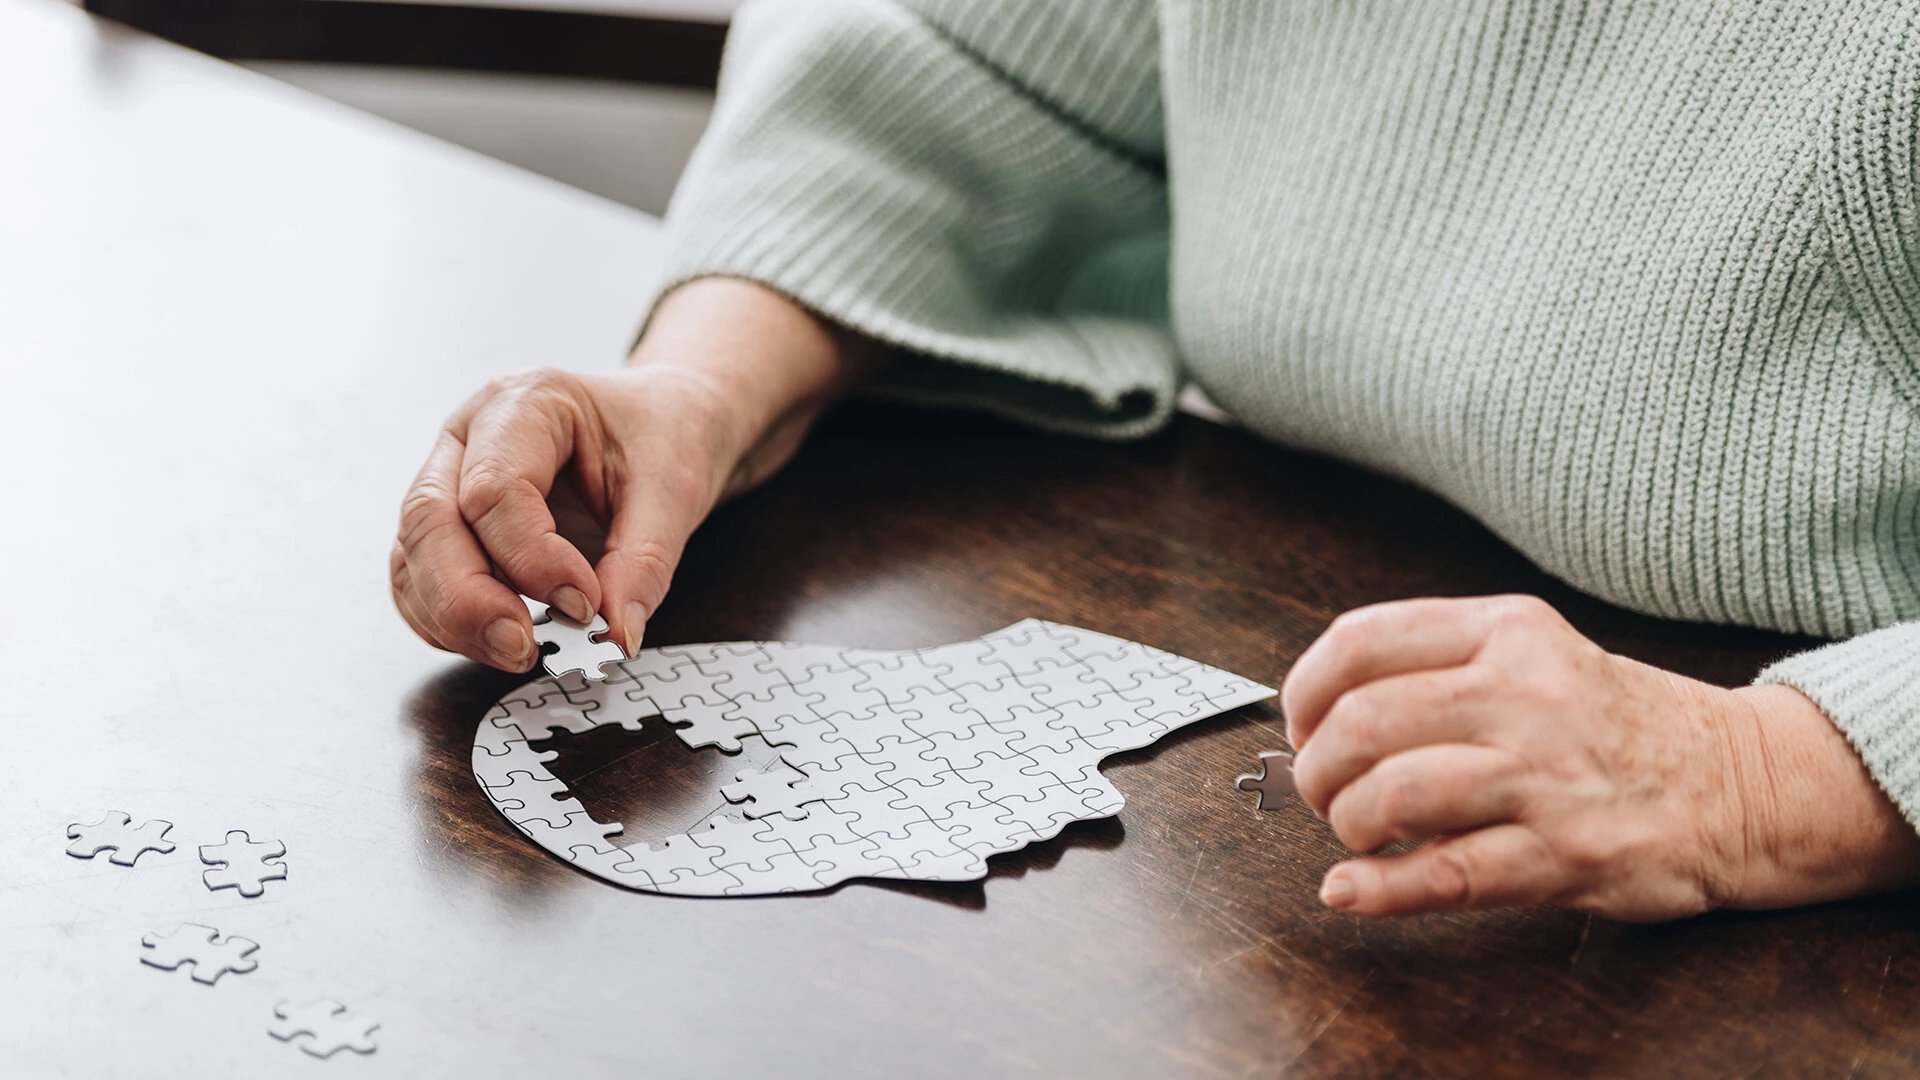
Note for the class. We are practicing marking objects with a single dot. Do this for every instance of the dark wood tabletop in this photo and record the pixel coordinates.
(230, 318)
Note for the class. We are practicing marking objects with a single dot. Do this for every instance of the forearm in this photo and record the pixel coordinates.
(767, 366)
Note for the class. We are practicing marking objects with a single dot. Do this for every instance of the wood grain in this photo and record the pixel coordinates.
(907, 528)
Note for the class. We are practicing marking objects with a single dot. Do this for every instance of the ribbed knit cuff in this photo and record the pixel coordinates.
(1869, 686)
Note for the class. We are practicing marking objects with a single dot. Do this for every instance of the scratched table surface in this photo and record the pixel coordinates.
(231, 317)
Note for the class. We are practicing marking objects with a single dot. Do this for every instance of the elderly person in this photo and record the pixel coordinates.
(1638, 285)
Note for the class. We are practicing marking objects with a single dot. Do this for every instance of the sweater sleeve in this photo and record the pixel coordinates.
(1869, 686)
(980, 182)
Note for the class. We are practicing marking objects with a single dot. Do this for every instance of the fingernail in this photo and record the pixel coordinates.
(509, 643)
(1337, 892)
(636, 620)
(572, 602)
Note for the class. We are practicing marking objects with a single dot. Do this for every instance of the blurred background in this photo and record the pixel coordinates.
(606, 95)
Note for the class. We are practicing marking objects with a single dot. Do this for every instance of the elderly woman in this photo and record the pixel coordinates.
(1638, 285)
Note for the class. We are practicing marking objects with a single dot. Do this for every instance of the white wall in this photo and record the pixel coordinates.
(624, 141)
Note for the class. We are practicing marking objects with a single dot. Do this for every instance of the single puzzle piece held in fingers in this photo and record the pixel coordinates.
(115, 832)
(327, 1023)
(913, 765)
(566, 645)
(1274, 781)
(202, 946)
(240, 862)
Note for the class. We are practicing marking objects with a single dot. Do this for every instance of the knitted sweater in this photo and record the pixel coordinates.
(1637, 284)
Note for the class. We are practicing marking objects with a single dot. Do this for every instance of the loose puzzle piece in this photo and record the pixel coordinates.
(911, 765)
(115, 833)
(1274, 781)
(242, 863)
(202, 946)
(567, 646)
(329, 1028)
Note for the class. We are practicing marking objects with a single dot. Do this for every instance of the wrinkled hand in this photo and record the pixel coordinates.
(581, 490)
(1538, 768)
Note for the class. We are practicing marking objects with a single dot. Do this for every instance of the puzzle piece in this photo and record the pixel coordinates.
(910, 765)
(572, 688)
(569, 646)
(242, 863)
(331, 1027)
(115, 833)
(1274, 781)
(528, 797)
(718, 726)
(578, 830)
(495, 767)
(778, 789)
(202, 946)
(677, 858)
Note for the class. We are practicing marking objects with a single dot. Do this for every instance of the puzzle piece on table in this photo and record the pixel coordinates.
(242, 863)
(115, 832)
(778, 789)
(701, 724)
(494, 767)
(569, 646)
(572, 688)
(912, 765)
(528, 797)
(577, 831)
(330, 1027)
(202, 946)
(678, 858)
(1274, 781)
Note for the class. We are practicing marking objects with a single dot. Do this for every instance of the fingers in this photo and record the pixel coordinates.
(1493, 867)
(443, 582)
(650, 529)
(1388, 639)
(405, 600)
(515, 446)
(1385, 717)
(1428, 792)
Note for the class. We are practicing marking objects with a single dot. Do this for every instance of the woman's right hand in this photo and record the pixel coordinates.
(581, 490)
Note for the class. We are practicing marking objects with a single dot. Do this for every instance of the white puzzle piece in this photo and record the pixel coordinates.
(116, 833)
(243, 863)
(908, 765)
(328, 1026)
(1274, 781)
(201, 946)
(567, 646)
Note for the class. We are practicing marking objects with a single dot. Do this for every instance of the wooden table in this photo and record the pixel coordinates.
(230, 318)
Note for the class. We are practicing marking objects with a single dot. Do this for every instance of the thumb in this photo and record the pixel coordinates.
(648, 534)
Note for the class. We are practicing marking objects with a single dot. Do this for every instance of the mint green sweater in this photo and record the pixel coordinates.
(1637, 284)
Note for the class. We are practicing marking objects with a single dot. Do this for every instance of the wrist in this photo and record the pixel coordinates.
(1813, 825)
(759, 356)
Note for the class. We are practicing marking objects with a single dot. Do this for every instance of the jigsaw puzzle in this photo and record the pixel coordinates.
(115, 832)
(1274, 781)
(239, 862)
(328, 1025)
(907, 765)
(202, 946)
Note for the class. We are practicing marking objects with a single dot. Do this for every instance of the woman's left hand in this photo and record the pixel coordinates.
(1544, 769)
